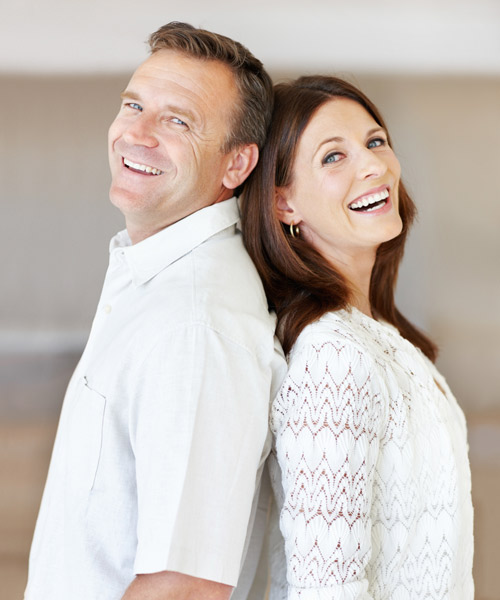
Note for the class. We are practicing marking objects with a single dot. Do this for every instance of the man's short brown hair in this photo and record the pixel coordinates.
(252, 117)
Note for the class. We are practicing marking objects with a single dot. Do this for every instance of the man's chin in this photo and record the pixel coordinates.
(127, 201)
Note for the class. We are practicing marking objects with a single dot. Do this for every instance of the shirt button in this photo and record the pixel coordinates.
(107, 309)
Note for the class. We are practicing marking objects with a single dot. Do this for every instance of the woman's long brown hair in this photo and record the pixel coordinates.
(300, 284)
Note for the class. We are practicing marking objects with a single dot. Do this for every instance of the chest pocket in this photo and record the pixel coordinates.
(85, 437)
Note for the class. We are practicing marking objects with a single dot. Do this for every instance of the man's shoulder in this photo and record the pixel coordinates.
(228, 290)
(214, 285)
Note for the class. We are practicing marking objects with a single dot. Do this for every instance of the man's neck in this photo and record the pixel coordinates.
(138, 234)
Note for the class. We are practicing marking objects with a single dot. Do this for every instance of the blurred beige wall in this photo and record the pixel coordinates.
(54, 188)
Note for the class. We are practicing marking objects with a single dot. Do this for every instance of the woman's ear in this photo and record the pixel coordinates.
(241, 165)
(284, 207)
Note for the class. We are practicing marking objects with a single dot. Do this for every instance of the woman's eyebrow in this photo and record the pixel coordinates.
(341, 139)
(375, 130)
(328, 140)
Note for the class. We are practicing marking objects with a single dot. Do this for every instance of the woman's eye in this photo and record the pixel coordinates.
(375, 143)
(332, 157)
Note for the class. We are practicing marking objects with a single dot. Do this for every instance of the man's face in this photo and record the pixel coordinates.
(165, 143)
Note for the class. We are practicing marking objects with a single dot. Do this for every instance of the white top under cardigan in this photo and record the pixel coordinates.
(375, 490)
(164, 428)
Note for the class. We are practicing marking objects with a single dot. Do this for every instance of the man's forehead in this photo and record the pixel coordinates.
(172, 76)
(168, 62)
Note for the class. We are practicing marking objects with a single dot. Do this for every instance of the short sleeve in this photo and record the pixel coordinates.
(327, 420)
(200, 435)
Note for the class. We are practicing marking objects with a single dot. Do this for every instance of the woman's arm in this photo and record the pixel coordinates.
(327, 442)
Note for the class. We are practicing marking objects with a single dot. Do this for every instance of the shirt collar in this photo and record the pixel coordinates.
(150, 256)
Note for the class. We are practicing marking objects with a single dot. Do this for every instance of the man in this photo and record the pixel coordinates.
(163, 432)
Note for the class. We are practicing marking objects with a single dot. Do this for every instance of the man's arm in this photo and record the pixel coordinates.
(169, 585)
(199, 432)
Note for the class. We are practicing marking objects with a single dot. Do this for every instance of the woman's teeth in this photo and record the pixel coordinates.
(142, 168)
(369, 203)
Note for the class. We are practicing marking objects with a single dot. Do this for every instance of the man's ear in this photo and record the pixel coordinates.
(284, 207)
(242, 163)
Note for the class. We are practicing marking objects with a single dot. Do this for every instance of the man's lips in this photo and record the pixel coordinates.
(139, 168)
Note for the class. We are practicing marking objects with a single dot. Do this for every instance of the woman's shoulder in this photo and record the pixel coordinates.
(350, 341)
(331, 362)
(347, 339)
(351, 327)
(338, 328)
(335, 344)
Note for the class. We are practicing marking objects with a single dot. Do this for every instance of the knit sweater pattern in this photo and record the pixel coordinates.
(370, 470)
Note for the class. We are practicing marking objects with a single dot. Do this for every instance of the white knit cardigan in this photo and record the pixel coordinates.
(370, 470)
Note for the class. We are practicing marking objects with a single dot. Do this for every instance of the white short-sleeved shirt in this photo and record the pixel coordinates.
(370, 470)
(164, 427)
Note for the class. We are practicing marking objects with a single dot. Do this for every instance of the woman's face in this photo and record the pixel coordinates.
(344, 191)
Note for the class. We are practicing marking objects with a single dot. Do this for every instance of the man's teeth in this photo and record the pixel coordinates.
(367, 200)
(143, 168)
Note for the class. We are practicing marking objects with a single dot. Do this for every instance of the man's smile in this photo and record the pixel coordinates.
(141, 168)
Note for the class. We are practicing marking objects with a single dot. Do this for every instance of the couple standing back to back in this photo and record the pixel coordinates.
(154, 484)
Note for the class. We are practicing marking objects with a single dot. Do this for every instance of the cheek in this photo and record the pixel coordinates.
(180, 148)
(395, 167)
(396, 187)
(113, 132)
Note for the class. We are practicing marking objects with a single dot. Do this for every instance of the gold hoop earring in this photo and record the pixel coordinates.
(294, 230)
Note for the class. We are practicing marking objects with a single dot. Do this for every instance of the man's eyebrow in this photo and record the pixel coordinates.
(129, 94)
(178, 110)
(182, 111)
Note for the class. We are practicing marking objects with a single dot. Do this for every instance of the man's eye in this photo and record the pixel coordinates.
(332, 157)
(134, 106)
(375, 143)
(178, 121)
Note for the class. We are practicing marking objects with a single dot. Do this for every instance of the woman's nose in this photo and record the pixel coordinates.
(371, 165)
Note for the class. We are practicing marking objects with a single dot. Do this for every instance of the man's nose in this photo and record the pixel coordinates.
(141, 132)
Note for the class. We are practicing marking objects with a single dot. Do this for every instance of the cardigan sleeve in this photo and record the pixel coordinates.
(327, 421)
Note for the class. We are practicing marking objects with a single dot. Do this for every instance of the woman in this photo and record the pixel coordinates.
(373, 482)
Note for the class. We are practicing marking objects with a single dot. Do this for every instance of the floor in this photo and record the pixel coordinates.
(26, 438)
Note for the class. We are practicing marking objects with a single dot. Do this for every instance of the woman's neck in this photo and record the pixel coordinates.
(361, 302)
(358, 274)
